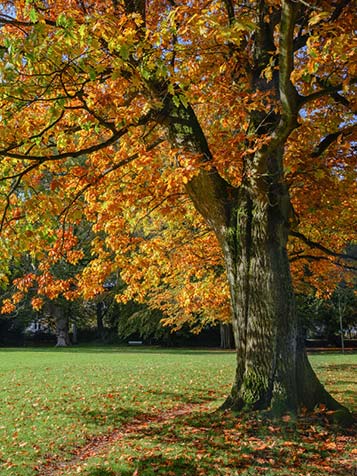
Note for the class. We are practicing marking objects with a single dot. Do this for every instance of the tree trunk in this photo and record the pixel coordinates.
(252, 225)
(62, 330)
(57, 312)
(74, 333)
(227, 337)
(273, 371)
(262, 305)
(100, 311)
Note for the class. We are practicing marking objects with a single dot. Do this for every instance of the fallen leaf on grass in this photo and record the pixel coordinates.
(289, 443)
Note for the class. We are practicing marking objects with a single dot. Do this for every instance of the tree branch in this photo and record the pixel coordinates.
(7, 204)
(308, 5)
(78, 153)
(327, 91)
(35, 136)
(338, 10)
(330, 138)
(66, 155)
(288, 94)
(230, 11)
(318, 246)
(322, 258)
(18, 177)
(8, 20)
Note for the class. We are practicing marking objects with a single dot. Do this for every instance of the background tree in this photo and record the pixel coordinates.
(248, 107)
(321, 317)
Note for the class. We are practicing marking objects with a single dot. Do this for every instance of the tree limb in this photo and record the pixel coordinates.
(308, 5)
(288, 93)
(322, 258)
(8, 20)
(339, 8)
(78, 153)
(330, 138)
(318, 246)
(230, 11)
(327, 91)
(289, 96)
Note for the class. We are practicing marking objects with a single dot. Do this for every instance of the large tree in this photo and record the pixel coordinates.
(112, 108)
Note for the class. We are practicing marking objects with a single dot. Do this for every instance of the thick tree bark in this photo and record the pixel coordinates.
(252, 226)
(272, 371)
(262, 305)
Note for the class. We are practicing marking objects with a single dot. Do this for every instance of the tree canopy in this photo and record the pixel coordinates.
(120, 120)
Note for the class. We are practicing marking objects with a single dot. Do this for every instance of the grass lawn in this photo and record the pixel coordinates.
(117, 412)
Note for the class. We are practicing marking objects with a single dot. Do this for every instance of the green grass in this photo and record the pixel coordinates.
(53, 403)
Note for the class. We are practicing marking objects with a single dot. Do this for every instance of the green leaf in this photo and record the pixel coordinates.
(146, 74)
(33, 15)
(92, 75)
(171, 89)
(176, 101)
(183, 100)
(62, 20)
(82, 31)
(124, 52)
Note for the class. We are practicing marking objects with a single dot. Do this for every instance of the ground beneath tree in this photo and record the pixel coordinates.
(99, 445)
(190, 440)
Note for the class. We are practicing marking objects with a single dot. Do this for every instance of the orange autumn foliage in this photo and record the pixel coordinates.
(89, 177)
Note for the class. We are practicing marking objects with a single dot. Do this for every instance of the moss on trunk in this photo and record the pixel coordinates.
(273, 371)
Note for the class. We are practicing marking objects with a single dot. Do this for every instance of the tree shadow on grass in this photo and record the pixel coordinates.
(112, 417)
(103, 472)
(200, 396)
(150, 466)
(217, 432)
(210, 444)
(221, 443)
(336, 367)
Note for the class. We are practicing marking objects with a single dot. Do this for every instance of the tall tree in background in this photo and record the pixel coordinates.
(114, 109)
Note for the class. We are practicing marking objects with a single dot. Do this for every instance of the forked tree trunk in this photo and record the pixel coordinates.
(252, 226)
